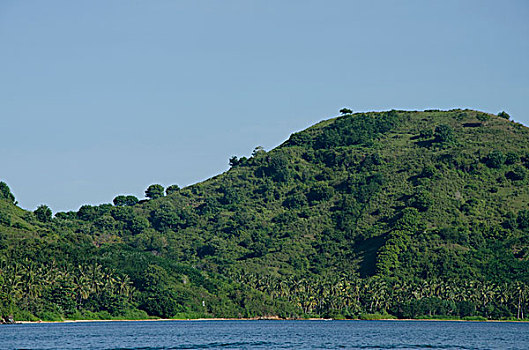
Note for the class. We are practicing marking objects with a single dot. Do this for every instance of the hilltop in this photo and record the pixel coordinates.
(406, 212)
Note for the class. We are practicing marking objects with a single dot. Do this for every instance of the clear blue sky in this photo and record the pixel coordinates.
(99, 98)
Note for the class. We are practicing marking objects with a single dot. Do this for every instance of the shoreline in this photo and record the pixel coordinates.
(260, 319)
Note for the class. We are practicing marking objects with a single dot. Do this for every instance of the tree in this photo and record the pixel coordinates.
(523, 219)
(43, 213)
(295, 201)
(495, 159)
(517, 173)
(428, 171)
(125, 201)
(87, 213)
(131, 200)
(426, 133)
(234, 161)
(504, 115)
(5, 192)
(259, 150)
(105, 223)
(444, 133)
(512, 158)
(423, 200)
(320, 192)
(154, 191)
(345, 111)
(172, 189)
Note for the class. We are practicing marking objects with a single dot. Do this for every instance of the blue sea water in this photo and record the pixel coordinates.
(267, 334)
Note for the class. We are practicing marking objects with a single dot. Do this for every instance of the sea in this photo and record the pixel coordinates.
(220, 334)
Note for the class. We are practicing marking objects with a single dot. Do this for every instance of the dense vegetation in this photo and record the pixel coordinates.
(413, 214)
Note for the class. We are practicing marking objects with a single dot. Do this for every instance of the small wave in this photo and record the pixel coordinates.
(202, 346)
(415, 346)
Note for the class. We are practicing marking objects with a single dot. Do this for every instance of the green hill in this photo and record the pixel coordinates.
(401, 212)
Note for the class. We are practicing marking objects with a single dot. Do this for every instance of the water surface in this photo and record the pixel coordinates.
(267, 334)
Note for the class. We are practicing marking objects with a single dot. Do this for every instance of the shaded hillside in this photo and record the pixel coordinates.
(367, 212)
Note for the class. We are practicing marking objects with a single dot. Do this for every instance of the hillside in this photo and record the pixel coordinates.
(411, 213)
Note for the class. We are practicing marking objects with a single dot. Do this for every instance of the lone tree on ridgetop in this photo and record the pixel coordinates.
(154, 191)
(345, 111)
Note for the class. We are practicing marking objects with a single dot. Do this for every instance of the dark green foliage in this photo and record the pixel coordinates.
(355, 129)
(512, 158)
(320, 192)
(367, 187)
(444, 133)
(495, 159)
(87, 213)
(125, 201)
(295, 201)
(428, 171)
(422, 200)
(5, 192)
(278, 168)
(154, 191)
(105, 223)
(518, 173)
(166, 217)
(172, 189)
(345, 111)
(43, 213)
(426, 133)
(504, 115)
(523, 219)
(162, 304)
(482, 117)
(230, 195)
(138, 224)
(300, 139)
(234, 161)
(5, 219)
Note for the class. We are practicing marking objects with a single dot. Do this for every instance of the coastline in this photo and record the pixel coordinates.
(263, 319)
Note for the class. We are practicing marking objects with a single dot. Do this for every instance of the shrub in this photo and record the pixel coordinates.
(482, 117)
(428, 171)
(423, 200)
(125, 201)
(295, 201)
(426, 133)
(299, 139)
(87, 213)
(444, 133)
(517, 174)
(376, 317)
(523, 219)
(154, 191)
(5, 219)
(504, 115)
(172, 189)
(161, 303)
(320, 192)
(512, 158)
(495, 159)
(50, 316)
(5, 192)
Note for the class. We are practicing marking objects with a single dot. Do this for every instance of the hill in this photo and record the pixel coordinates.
(411, 213)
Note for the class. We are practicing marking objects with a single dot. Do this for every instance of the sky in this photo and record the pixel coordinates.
(101, 98)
